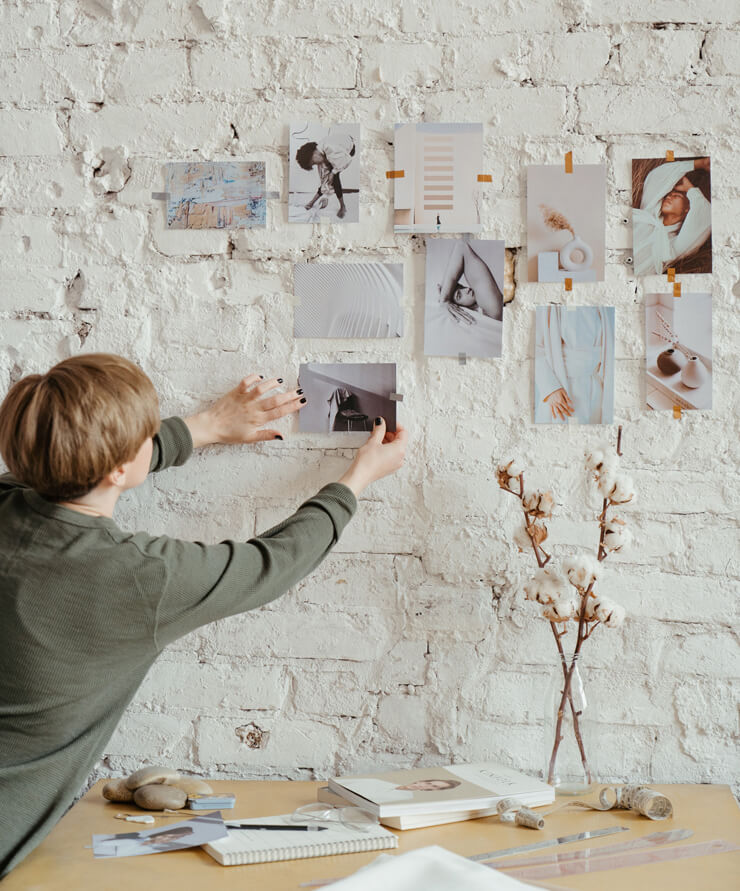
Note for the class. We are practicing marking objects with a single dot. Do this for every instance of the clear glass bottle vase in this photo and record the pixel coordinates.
(570, 722)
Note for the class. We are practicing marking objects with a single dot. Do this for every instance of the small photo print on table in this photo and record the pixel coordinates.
(574, 365)
(348, 299)
(464, 301)
(671, 215)
(347, 397)
(566, 223)
(324, 173)
(175, 837)
(216, 195)
(678, 355)
(438, 189)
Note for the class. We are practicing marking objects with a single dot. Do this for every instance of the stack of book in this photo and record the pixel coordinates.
(429, 796)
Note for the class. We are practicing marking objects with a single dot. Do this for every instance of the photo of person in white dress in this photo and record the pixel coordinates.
(574, 365)
(671, 216)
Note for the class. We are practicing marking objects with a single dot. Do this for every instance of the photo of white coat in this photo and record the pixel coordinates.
(574, 365)
(324, 173)
(464, 301)
(671, 215)
(348, 299)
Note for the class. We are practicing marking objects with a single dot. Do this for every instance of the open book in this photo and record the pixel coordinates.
(467, 789)
(260, 846)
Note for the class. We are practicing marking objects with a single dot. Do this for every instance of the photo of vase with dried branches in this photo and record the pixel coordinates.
(567, 595)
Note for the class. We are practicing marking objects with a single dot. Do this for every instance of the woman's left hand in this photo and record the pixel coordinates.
(240, 414)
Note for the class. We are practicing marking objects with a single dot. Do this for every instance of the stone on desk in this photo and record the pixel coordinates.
(147, 776)
(117, 790)
(157, 797)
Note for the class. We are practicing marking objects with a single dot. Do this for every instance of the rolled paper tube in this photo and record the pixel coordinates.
(645, 801)
(528, 818)
(508, 804)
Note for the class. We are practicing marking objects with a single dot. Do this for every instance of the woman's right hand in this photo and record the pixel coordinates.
(381, 455)
(560, 404)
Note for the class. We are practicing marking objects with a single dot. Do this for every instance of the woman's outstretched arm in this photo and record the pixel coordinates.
(488, 295)
(454, 269)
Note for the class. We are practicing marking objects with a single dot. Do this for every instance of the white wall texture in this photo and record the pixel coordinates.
(411, 644)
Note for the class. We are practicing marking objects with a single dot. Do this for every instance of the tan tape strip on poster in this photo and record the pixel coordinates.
(568, 284)
(394, 174)
(485, 178)
(669, 155)
(677, 412)
(569, 162)
(676, 289)
(671, 273)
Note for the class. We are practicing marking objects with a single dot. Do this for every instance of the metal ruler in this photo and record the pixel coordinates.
(550, 842)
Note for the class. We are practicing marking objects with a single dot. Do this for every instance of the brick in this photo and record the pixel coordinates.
(29, 133)
(667, 55)
(721, 53)
(144, 73)
(402, 65)
(508, 111)
(30, 26)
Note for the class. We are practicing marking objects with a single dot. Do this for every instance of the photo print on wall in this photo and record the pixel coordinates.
(464, 302)
(216, 194)
(439, 190)
(566, 223)
(671, 215)
(348, 299)
(574, 365)
(347, 397)
(678, 355)
(324, 173)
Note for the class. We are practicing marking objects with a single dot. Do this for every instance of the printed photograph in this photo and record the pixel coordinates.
(216, 195)
(346, 398)
(348, 299)
(574, 365)
(678, 355)
(324, 173)
(439, 189)
(671, 215)
(175, 837)
(566, 223)
(464, 301)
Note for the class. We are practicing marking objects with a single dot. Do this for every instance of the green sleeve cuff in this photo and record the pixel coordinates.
(173, 445)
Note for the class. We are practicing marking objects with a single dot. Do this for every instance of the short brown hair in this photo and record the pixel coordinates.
(63, 431)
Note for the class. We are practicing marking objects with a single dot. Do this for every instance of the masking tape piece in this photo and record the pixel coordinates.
(485, 178)
(676, 289)
(160, 196)
(671, 273)
(569, 162)
(677, 412)
(394, 174)
(462, 358)
(396, 397)
(669, 155)
(568, 284)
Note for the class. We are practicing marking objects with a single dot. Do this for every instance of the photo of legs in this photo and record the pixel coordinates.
(438, 190)
(348, 299)
(216, 195)
(678, 357)
(347, 397)
(574, 365)
(324, 173)
(672, 215)
(566, 223)
(464, 302)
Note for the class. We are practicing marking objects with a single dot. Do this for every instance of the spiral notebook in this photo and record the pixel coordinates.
(260, 846)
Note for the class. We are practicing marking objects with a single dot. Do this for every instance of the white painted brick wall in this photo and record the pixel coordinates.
(410, 644)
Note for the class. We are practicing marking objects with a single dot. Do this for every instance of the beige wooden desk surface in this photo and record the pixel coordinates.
(63, 863)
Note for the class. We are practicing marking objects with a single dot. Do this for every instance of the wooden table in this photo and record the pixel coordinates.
(63, 863)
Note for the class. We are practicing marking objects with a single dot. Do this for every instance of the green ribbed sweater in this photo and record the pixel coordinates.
(86, 608)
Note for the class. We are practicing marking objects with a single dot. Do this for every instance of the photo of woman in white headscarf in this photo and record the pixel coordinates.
(574, 365)
(671, 216)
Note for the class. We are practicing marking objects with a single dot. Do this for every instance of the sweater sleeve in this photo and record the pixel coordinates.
(208, 582)
(173, 445)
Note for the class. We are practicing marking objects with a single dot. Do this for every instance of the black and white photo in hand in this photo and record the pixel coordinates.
(348, 299)
(347, 397)
(324, 173)
(464, 303)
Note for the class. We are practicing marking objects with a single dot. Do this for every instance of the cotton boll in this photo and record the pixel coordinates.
(508, 474)
(617, 536)
(582, 570)
(601, 461)
(560, 610)
(591, 604)
(622, 491)
(540, 504)
(522, 539)
(545, 586)
(606, 482)
(609, 613)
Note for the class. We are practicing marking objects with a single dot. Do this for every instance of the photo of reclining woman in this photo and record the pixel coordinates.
(672, 215)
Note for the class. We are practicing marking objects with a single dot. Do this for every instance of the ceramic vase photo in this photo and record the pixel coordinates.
(576, 246)
(671, 361)
(694, 373)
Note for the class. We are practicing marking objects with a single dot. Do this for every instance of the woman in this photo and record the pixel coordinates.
(574, 365)
(674, 218)
(478, 292)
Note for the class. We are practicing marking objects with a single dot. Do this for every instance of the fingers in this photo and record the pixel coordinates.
(249, 381)
(265, 435)
(378, 431)
(269, 403)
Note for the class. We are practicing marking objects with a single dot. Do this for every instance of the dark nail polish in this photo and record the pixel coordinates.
(378, 421)
(278, 436)
(299, 392)
(280, 380)
(262, 377)
(303, 401)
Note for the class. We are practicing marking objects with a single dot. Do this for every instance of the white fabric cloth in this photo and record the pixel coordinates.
(428, 869)
(446, 335)
(575, 351)
(657, 246)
